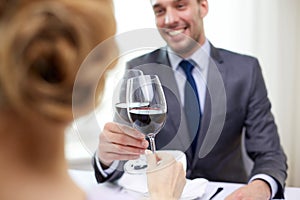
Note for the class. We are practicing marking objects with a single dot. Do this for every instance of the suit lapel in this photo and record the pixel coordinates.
(181, 140)
(213, 116)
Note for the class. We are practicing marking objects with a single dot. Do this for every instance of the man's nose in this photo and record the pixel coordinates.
(170, 17)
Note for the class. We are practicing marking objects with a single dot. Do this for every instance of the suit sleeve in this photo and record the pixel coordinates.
(262, 140)
(111, 177)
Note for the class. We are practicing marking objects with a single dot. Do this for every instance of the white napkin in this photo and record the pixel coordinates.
(138, 183)
(194, 188)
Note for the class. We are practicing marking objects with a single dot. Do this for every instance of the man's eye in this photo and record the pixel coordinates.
(180, 5)
(158, 12)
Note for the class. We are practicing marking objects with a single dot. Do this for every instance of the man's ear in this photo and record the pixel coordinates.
(203, 7)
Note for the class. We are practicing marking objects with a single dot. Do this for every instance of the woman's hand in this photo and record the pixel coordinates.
(165, 176)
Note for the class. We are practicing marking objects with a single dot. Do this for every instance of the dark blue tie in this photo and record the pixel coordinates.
(191, 103)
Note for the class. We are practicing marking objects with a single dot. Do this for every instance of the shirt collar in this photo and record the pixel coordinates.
(199, 58)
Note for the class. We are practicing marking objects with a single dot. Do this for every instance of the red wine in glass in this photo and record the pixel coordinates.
(147, 120)
(147, 112)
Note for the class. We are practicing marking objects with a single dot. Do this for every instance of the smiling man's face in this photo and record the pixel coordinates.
(177, 19)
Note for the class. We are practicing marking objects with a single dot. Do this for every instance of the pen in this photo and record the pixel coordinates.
(217, 192)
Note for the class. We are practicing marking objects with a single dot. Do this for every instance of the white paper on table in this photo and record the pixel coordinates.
(138, 183)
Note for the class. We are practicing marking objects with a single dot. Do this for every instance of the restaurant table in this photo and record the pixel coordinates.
(86, 180)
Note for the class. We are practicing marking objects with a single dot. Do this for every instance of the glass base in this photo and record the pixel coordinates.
(138, 166)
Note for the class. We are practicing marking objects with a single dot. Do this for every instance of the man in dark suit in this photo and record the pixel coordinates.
(232, 99)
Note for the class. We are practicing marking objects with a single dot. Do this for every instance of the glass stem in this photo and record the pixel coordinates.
(152, 143)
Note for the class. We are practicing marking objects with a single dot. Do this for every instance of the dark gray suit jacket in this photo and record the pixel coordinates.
(236, 101)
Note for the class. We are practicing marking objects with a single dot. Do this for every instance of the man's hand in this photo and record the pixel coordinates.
(256, 190)
(120, 142)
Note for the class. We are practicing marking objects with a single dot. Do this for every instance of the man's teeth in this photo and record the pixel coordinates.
(173, 33)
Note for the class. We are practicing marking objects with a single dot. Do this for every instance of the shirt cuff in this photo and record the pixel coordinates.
(109, 170)
(269, 180)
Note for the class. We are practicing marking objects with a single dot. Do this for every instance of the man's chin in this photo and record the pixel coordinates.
(183, 49)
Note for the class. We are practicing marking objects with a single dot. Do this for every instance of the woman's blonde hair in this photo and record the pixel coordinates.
(43, 44)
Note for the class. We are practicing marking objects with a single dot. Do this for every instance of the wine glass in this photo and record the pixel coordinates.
(147, 110)
(119, 97)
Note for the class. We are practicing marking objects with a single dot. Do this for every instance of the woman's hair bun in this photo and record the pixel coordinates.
(45, 44)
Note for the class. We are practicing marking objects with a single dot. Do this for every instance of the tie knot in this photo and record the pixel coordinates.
(186, 66)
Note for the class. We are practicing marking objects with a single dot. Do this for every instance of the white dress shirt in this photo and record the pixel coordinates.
(200, 60)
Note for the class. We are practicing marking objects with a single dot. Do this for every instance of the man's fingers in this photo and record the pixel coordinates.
(113, 133)
(120, 128)
(127, 140)
(113, 152)
(120, 142)
(121, 149)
